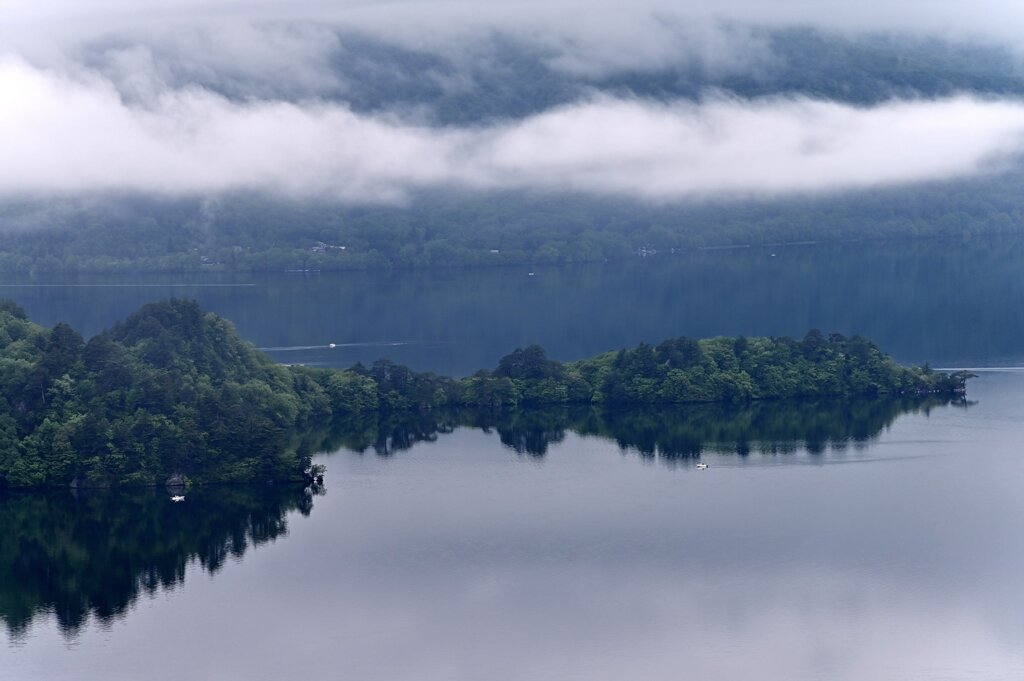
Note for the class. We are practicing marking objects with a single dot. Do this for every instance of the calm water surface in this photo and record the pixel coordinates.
(894, 556)
(938, 302)
(847, 541)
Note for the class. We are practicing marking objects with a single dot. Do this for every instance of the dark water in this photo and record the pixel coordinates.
(827, 539)
(941, 302)
(76, 556)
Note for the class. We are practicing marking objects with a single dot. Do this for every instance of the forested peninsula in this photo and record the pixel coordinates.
(173, 393)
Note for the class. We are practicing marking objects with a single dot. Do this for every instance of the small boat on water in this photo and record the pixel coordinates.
(702, 466)
(331, 345)
(176, 498)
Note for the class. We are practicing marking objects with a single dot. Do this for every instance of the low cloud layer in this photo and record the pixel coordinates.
(78, 135)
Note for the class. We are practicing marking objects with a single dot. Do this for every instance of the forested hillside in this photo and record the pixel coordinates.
(249, 233)
(503, 80)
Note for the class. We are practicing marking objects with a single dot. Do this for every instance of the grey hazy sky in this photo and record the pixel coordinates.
(586, 35)
(67, 126)
(1003, 18)
(637, 26)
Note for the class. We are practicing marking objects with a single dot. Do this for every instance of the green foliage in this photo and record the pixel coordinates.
(350, 392)
(683, 370)
(173, 391)
(245, 233)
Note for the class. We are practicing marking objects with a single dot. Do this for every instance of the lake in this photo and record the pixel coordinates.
(942, 302)
(826, 540)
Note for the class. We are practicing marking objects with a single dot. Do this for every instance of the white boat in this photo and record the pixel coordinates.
(702, 466)
(176, 498)
(331, 345)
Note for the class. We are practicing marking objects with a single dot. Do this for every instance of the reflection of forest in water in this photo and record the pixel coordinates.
(76, 555)
(95, 553)
(667, 433)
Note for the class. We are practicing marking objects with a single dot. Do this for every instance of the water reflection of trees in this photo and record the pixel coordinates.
(94, 554)
(761, 427)
(667, 433)
(82, 555)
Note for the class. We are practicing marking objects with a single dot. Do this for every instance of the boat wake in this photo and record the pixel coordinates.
(987, 370)
(330, 346)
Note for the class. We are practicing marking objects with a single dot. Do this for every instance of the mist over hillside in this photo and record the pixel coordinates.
(268, 137)
(503, 76)
(250, 232)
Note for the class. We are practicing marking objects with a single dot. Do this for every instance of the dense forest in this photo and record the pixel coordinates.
(174, 392)
(250, 233)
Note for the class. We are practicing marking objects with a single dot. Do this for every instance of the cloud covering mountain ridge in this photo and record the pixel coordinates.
(187, 98)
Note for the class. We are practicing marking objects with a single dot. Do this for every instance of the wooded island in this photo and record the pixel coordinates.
(173, 391)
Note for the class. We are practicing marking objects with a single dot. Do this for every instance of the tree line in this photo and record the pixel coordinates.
(173, 391)
(247, 233)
